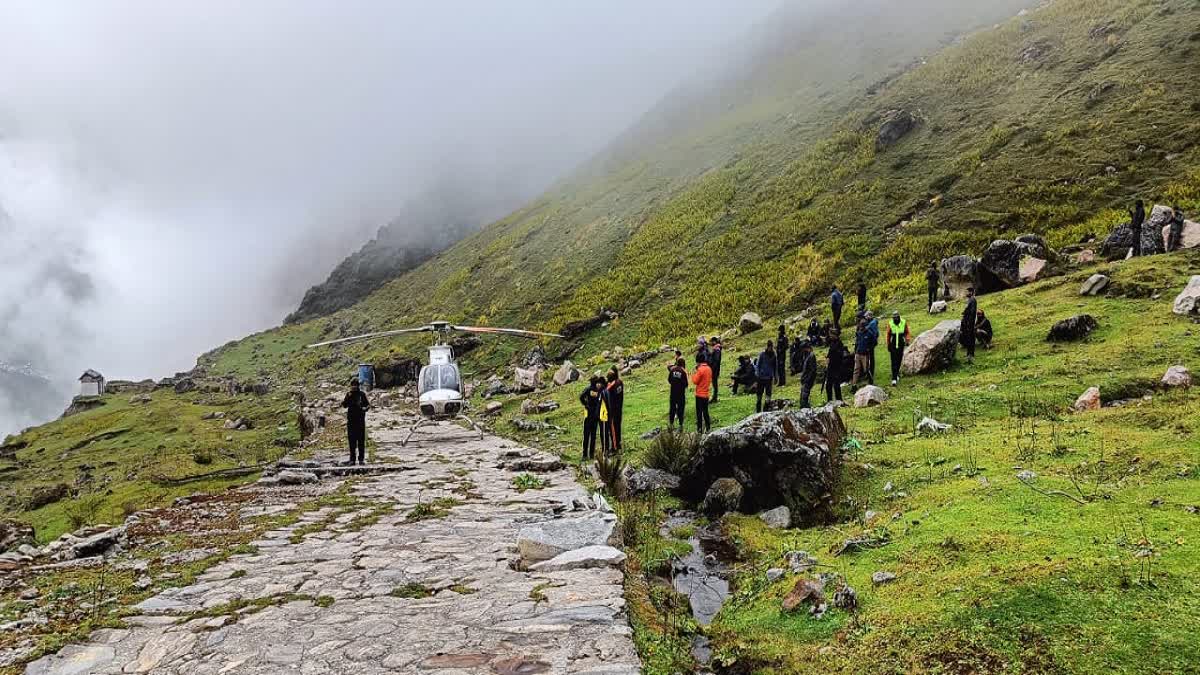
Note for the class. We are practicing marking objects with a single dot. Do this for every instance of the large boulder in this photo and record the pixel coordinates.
(959, 273)
(14, 533)
(750, 322)
(933, 350)
(97, 544)
(1158, 220)
(1094, 285)
(566, 374)
(780, 458)
(1032, 269)
(1190, 239)
(1176, 376)
(1038, 247)
(1116, 246)
(1000, 264)
(535, 359)
(550, 539)
(869, 396)
(1187, 303)
(1072, 329)
(526, 380)
(894, 125)
(1088, 400)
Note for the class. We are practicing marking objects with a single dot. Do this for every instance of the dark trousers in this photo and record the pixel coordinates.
(781, 374)
(606, 437)
(897, 357)
(589, 437)
(676, 409)
(1137, 242)
(833, 389)
(356, 431)
(764, 387)
(716, 381)
(805, 393)
(871, 364)
(837, 317)
(703, 421)
(932, 296)
(614, 428)
(968, 340)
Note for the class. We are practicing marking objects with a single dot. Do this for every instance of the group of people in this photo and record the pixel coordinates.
(1137, 218)
(603, 408)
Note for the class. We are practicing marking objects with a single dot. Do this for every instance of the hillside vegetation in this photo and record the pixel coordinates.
(775, 186)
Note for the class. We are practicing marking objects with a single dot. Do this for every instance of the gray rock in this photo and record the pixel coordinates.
(928, 425)
(646, 480)
(296, 477)
(959, 273)
(895, 125)
(581, 558)
(723, 496)
(778, 458)
(1177, 376)
(531, 407)
(778, 517)
(14, 533)
(1187, 303)
(750, 322)
(566, 374)
(881, 578)
(1000, 264)
(775, 574)
(98, 543)
(933, 350)
(526, 380)
(1094, 285)
(73, 660)
(1072, 329)
(550, 539)
(1026, 475)
(492, 408)
(938, 307)
(799, 561)
(869, 396)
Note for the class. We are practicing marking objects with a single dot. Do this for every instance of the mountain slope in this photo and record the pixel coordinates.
(776, 185)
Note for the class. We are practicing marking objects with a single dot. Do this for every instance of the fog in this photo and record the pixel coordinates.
(174, 175)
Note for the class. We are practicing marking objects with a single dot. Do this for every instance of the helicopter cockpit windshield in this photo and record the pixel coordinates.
(439, 376)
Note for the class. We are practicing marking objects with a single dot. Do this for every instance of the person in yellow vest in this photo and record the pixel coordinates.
(898, 338)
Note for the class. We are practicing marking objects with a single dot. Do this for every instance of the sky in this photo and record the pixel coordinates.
(174, 175)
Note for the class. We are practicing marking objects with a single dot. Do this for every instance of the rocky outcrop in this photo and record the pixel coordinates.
(1072, 329)
(894, 125)
(933, 350)
(1001, 263)
(723, 496)
(959, 273)
(780, 458)
(646, 480)
(869, 396)
(1187, 303)
(1116, 246)
(750, 322)
(526, 380)
(532, 407)
(1095, 285)
(14, 533)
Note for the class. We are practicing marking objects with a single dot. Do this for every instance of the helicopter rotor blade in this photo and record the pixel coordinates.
(505, 331)
(372, 336)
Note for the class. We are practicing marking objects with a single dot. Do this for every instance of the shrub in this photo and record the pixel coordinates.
(671, 451)
(609, 468)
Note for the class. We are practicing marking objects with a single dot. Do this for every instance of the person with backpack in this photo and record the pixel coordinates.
(835, 372)
(781, 350)
(714, 362)
(616, 409)
(765, 369)
(808, 372)
(589, 398)
(677, 380)
(702, 379)
(836, 302)
(898, 337)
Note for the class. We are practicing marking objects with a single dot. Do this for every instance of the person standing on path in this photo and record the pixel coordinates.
(356, 404)
(702, 378)
(590, 400)
(932, 283)
(616, 410)
(808, 373)
(765, 369)
(677, 380)
(714, 362)
(1138, 216)
(836, 302)
(781, 351)
(966, 327)
(862, 354)
(898, 337)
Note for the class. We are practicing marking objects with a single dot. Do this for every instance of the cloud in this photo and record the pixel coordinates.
(175, 174)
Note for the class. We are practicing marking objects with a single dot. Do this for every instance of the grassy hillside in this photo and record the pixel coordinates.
(1049, 122)
(992, 576)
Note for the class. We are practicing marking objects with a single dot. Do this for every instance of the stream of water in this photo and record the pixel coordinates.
(701, 576)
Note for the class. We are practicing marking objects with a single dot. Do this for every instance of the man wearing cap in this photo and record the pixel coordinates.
(898, 337)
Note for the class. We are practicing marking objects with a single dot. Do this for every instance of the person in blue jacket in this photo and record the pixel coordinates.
(836, 302)
(765, 369)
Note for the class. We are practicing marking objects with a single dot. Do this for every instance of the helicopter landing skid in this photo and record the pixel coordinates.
(425, 421)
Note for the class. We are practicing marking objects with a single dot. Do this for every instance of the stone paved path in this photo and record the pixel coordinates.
(480, 615)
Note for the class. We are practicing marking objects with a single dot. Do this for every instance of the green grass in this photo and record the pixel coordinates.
(526, 481)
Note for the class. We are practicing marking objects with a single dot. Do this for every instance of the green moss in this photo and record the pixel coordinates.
(412, 591)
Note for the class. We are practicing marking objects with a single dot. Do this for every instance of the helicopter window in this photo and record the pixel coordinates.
(449, 377)
(439, 377)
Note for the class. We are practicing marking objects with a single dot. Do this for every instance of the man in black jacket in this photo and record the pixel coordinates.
(356, 404)
(616, 407)
(808, 372)
(715, 349)
(835, 369)
(781, 351)
(932, 283)
(677, 379)
(590, 400)
(966, 327)
(1138, 217)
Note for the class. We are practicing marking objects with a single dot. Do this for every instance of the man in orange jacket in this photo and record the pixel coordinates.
(702, 378)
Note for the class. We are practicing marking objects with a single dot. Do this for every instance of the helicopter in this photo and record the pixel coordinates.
(439, 384)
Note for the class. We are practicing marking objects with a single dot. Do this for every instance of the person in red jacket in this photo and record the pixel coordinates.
(702, 378)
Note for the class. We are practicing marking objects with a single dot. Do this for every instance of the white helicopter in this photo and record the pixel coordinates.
(439, 384)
